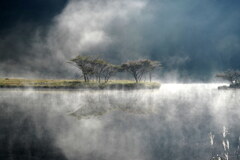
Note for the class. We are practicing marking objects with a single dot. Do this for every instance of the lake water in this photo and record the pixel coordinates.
(178, 121)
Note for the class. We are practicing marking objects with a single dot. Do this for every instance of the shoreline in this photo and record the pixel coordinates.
(229, 87)
(45, 84)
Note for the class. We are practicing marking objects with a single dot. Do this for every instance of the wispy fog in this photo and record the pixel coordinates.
(194, 39)
(171, 123)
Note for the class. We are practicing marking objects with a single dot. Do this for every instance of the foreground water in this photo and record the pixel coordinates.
(178, 121)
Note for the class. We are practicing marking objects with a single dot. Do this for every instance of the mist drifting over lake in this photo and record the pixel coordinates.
(173, 122)
(192, 39)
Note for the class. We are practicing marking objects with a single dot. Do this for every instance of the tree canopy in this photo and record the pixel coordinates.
(140, 67)
(233, 76)
(100, 69)
(94, 67)
(84, 63)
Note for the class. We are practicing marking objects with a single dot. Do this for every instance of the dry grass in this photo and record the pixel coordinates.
(48, 83)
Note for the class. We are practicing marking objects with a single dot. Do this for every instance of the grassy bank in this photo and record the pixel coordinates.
(75, 84)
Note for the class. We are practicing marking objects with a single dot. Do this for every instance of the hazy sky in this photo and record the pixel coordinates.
(193, 38)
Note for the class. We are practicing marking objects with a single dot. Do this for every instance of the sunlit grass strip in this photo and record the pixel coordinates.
(75, 84)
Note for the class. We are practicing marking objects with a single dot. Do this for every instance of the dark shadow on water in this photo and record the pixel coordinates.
(22, 138)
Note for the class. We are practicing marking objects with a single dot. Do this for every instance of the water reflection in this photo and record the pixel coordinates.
(179, 121)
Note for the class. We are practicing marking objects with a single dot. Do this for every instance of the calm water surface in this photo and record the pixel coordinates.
(178, 121)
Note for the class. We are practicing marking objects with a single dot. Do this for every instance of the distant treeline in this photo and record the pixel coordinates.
(97, 68)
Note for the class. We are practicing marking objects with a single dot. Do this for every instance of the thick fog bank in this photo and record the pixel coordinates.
(174, 122)
(37, 37)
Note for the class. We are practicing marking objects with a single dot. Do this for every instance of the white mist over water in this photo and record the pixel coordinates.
(173, 122)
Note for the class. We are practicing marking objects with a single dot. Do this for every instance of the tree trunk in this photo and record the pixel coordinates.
(136, 79)
(99, 79)
(85, 78)
(150, 76)
(106, 78)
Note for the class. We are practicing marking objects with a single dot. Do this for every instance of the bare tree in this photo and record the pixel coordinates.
(99, 66)
(233, 76)
(84, 63)
(109, 71)
(152, 66)
(139, 67)
(94, 66)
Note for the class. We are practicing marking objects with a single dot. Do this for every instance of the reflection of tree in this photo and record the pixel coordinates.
(98, 104)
